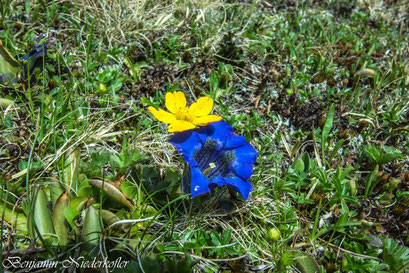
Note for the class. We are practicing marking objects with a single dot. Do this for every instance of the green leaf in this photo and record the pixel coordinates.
(71, 168)
(100, 158)
(287, 259)
(378, 156)
(306, 263)
(108, 217)
(91, 229)
(60, 225)
(9, 67)
(174, 265)
(336, 149)
(370, 182)
(5, 102)
(13, 215)
(85, 190)
(130, 189)
(78, 202)
(189, 245)
(113, 191)
(346, 172)
(394, 255)
(327, 129)
(42, 215)
(55, 190)
(226, 237)
(151, 265)
(215, 239)
(298, 165)
(386, 158)
(70, 214)
(306, 158)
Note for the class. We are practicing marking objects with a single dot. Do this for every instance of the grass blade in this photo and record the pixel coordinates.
(370, 185)
(326, 130)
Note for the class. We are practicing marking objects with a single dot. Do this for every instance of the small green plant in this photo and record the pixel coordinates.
(108, 80)
(377, 155)
(395, 256)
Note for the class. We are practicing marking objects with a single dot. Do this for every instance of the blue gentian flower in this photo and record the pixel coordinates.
(216, 157)
(35, 58)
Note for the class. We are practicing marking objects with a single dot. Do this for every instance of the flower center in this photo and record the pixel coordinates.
(208, 170)
(212, 161)
(184, 114)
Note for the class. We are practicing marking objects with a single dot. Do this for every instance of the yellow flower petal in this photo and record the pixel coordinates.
(180, 126)
(201, 121)
(162, 115)
(202, 107)
(175, 101)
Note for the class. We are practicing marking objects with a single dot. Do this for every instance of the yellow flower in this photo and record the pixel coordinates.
(181, 117)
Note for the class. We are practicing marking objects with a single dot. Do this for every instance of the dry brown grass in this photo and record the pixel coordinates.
(393, 12)
(124, 21)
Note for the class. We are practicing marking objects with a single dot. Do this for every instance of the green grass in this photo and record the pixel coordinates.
(320, 90)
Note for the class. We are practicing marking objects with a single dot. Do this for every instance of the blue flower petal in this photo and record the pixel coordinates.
(234, 141)
(199, 184)
(38, 50)
(219, 181)
(35, 58)
(204, 132)
(187, 142)
(219, 131)
(245, 154)
(242, 187)
(244, 170)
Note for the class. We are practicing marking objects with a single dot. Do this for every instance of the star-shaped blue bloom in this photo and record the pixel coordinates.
(216, 157)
